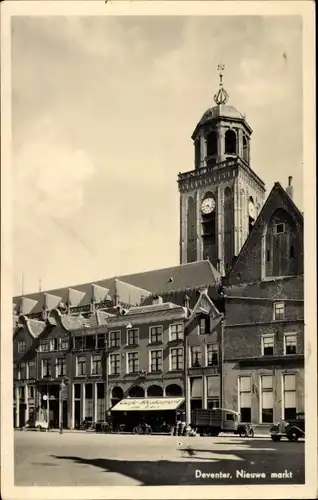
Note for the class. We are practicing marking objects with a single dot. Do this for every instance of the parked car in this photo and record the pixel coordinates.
(39, 424)
(292, 429)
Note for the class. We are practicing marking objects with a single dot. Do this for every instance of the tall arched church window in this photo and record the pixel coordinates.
(230, 142)
(228, 228)
(245, 149)
(212, 143)
(251, 213)
(208, 219)
(282, 244)
(191, 231)
(197, 153)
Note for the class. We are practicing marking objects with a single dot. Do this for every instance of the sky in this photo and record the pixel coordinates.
(103, 109)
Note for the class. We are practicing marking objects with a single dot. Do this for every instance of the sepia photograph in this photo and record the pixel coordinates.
(156, 176)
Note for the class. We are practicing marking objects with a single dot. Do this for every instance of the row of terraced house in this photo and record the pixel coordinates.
(77, 351)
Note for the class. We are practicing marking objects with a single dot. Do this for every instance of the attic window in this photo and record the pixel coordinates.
(280, 228)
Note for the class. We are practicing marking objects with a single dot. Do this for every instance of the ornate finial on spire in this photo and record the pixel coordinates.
(221, 97)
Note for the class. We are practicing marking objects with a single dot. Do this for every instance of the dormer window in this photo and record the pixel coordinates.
(280, 228)
(21, 346)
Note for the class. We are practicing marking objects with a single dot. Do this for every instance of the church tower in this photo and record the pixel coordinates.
(221, 198)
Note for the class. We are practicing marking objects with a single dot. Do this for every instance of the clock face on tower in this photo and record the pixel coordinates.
(208, 205)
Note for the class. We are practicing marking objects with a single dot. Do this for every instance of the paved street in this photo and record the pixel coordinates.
(90, 459)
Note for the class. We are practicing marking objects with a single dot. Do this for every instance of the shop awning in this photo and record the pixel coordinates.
(148, 404)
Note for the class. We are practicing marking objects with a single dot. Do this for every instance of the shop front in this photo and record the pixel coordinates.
(158, 413)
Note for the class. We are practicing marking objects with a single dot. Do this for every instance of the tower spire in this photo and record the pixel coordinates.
(221, 97)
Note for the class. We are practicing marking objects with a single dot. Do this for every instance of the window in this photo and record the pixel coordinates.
(245, 399)
(204, 325)
(96, 366)
(44, 345)
(133, 336)
(196, 356)
(291, 252)
(213, 403)
(23, 374)
(290, 407)
(267, 345)
(114, 362)
(212, 354)
(78, 342)
(176, 358)
(61, 367)
(21, 393)
(100, 341)
(176, 332)
(80, 366)
(290, 346)
(133, 362)
(267, 399)
(31, 391)
(15, 371)
(21, 346)
(268, 255)
(230, 417)
(156, 361)
(64, 344)
(280, 228)
(90, 342)
(114, 339)
(155, 334)
(53, 344)
(46, 368)
(32, 369)
(279, 310)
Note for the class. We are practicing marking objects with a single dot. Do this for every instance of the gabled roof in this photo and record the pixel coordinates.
(277, 198)
(160, 281)
(33, 326)
(129, 294)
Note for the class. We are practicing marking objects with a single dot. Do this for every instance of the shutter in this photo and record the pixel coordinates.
(245, 384)
(290, 382)
(267, 382)
(245, 400)
(213, 387)
(197, 388)
(267, 400)
(290, 399)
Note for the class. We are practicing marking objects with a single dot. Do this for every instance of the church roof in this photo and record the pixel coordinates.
(160, 281)
(223, 110)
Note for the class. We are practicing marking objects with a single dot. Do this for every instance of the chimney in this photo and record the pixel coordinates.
(290, 188)
(157, 300)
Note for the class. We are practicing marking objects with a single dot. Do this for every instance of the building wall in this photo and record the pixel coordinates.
(233, 371)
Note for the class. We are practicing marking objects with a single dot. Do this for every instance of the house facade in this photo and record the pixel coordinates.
(264, 311)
